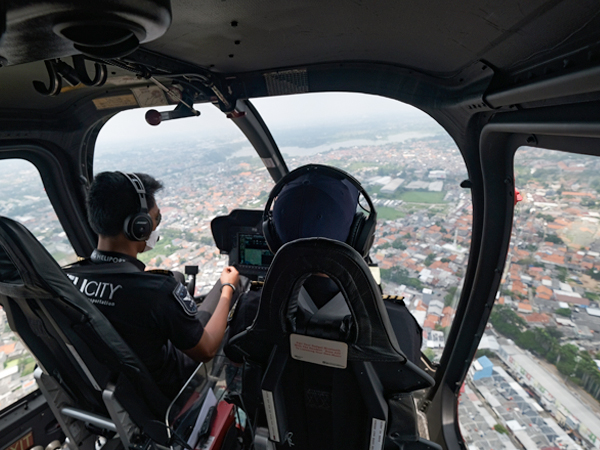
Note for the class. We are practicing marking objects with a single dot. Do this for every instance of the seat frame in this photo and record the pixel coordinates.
(72, 420)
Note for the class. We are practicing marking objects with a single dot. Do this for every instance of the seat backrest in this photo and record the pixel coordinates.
(337, 382)
(71, 340)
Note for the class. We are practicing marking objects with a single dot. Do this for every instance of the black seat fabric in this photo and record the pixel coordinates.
(71, 340)
(317, 405)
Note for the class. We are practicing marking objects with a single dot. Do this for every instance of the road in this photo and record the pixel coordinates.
(546, 376)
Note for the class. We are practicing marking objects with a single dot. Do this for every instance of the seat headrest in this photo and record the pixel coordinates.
(36, 268)
(298, 260)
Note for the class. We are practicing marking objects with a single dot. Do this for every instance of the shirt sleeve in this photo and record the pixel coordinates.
(177, 316)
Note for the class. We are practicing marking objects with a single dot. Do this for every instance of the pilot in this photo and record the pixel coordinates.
(319, 201)
(322, 201)
(153, 312)
(311, 201)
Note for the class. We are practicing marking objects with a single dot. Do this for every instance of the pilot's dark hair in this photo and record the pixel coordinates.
(112, 198)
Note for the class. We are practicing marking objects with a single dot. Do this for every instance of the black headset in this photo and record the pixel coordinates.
(138, 226)
(362, 230)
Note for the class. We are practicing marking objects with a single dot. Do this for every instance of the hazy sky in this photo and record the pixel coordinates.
(278, 112)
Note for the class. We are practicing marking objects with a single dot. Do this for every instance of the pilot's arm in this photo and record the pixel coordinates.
(214, 330)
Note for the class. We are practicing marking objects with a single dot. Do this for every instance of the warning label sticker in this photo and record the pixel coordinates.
(271, 415)
(377, 434)
(117, 101)
(268, 162)
(319, 351)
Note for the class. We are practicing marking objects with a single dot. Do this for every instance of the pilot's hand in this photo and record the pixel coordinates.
(230, 275)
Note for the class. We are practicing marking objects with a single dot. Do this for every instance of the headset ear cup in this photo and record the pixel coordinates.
(270, 234)
(355, 230)
(366, 236)
(127, 228)
(138, 227)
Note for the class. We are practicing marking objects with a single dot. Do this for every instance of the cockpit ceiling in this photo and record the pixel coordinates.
(449, 41)
(437, 37)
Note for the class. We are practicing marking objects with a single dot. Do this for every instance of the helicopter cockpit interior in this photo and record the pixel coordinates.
(486, 189)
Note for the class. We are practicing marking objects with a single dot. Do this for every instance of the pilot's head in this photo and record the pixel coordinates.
(319, 201)
(115, 206)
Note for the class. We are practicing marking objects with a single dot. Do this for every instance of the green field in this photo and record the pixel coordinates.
(386, 213)
(356, 166)
(423, 197)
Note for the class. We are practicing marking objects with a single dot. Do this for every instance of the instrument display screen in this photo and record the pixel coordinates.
(254, 251)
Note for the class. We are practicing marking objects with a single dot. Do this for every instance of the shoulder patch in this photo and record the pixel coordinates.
(185, 299)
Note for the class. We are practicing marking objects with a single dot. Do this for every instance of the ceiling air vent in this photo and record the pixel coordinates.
(102, 29)
(108, 38)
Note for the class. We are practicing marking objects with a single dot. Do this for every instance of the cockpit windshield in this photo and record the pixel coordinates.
(404, 159)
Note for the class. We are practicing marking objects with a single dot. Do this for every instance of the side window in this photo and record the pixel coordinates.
(22, 198)
(535, 378)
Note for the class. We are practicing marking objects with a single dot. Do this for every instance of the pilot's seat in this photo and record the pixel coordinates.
(335, 381)
(92, 380)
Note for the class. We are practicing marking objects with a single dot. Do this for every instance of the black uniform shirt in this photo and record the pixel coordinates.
(152, 312)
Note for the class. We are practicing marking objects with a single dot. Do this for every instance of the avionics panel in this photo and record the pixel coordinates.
(239, 235)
